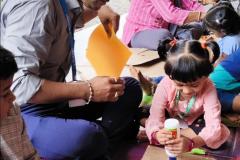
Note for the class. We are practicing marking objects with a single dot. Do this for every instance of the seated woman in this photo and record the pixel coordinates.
(149, 21)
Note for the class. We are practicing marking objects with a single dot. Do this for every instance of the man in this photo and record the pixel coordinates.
(38, 33)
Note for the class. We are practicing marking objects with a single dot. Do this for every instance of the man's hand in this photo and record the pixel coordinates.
(109, 19)
(107, 89)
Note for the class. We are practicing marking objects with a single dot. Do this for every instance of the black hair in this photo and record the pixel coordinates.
(188, 61)
(8, 65)
(163, 47)
(223, 18)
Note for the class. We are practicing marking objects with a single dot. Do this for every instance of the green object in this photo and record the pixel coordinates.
(147, 100)
(190, 104)
(198, 151)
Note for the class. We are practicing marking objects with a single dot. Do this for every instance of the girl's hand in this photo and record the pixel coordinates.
(163, 136)
(178, 146)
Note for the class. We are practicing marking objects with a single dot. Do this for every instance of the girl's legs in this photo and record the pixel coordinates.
(150, 38)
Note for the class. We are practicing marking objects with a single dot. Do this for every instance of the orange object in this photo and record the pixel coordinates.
(173, 42)
(174, 133)
(204, 45)
(108, 55)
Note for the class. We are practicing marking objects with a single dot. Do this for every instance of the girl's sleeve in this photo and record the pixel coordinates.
(157, 111)
(214, 133)
(169, 12)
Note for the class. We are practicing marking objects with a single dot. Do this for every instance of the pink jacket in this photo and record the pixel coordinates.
(150, 14)
(214, 133)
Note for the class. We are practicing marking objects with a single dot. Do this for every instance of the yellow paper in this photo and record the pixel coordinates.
(108, 55)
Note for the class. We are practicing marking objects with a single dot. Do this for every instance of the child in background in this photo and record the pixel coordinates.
(223, 21)
(226, 78)
(187, 93)
(150, 21)
(14, 141)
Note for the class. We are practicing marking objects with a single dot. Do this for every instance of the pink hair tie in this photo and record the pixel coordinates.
(203, 45)
(173, 42)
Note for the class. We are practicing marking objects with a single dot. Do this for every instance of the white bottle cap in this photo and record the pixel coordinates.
(171, 123)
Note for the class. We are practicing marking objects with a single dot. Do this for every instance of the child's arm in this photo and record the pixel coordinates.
(157, 111)
(214, 134)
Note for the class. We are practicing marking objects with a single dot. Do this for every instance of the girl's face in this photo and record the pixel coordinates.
(190, 89)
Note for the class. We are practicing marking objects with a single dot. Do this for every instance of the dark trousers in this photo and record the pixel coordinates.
(86, 132)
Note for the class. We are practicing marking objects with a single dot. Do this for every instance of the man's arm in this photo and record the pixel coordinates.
(51, 91)
(31, 45)
(103, 90)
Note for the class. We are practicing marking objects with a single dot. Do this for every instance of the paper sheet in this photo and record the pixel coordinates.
(108, 55)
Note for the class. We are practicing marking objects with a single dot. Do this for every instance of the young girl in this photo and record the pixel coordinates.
(223, 21)
(186, 93)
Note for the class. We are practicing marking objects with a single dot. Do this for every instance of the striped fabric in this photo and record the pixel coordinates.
(14, 142)
(150, 14)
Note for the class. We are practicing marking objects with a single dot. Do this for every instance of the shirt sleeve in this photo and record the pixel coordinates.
(29, 39)
(214, 133)
(157, 111)
(28, 150)
(169, 12)
(228, 44)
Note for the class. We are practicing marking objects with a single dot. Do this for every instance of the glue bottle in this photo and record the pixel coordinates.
(173, 126)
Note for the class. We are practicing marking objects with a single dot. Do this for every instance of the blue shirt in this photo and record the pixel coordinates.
(226, 75)
(229, 44)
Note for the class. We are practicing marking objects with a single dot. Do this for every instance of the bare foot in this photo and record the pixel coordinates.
(145, 82)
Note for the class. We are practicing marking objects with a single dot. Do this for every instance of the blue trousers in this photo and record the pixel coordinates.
(60, 132)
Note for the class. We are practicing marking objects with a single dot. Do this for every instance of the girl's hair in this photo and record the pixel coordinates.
(188, 61)
(163, 47)
(223, 18)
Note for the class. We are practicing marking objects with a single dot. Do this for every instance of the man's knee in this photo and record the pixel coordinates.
(133, 89)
